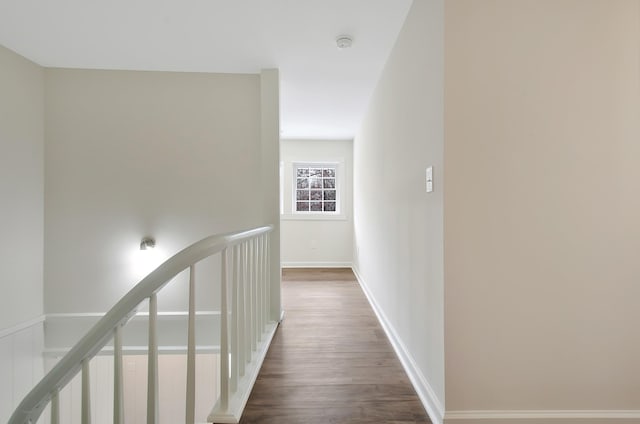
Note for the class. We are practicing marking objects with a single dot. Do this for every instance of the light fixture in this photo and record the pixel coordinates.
(147, 243)
(344, 41)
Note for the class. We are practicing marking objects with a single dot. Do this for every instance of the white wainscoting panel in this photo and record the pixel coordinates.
(6, 380)
(172, 379)
(21, 363)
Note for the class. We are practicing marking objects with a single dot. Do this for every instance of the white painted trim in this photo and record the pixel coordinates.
(138, 314)
(312, 138)
(316, 264)
(310, 216)
(543, 415)
(21, 326)
(340, 178)
(135, 350)
(238, 400)
(425, 392)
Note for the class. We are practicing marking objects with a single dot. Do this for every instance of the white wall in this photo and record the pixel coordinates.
(21, 227)
(64, 330)
(129, 154)
(541, 210)
(317, 241)
(398, 227)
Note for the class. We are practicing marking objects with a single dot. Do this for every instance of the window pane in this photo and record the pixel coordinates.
(315, 188)
(316, 206)
(315, 182)
(303, 183)
(316, 194)
(329, 172)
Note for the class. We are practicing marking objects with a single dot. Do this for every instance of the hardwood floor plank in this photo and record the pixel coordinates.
(330, 362)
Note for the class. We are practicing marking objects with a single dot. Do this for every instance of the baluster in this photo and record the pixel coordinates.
(234, 319)
(86, 393)
(260, 286)
(247, 305)
(242, 333)
(251, 301)
(263, 264)
(190, 412)
(262, 289)
(256, 309)
(268, 276)
(265, 278)
(152, 358)
(224, 336)
(118, 398)
(259, 297)
(55, 407)
(247, 299)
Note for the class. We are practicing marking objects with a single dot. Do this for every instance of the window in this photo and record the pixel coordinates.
(315, 188)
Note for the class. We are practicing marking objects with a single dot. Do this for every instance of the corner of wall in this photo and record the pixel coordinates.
(270, 157)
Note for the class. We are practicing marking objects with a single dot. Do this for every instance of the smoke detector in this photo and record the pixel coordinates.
(344, 42)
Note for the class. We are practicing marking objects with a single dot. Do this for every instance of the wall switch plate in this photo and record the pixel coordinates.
(430, 179)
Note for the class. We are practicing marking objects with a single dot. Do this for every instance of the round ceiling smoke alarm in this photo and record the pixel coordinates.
(344, 42)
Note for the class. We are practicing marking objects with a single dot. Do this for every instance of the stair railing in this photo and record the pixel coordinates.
(245, 334)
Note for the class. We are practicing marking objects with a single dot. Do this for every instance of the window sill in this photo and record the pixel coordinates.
(312, 217)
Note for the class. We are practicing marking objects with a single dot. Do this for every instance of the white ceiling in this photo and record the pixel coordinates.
(324, 90)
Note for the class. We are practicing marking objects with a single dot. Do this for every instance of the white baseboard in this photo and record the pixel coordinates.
(316, 264)
(541, 416)
(425, 392)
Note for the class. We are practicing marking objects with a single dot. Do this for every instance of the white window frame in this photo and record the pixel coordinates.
(292, 213)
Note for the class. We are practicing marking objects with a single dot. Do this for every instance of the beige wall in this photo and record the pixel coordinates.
(129, 154)
(269, 186)
(21, 188)
(542, 232)
(21, 227)
(398, 227)
(317, 241)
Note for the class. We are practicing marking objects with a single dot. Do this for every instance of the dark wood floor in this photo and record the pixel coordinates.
(330, 361)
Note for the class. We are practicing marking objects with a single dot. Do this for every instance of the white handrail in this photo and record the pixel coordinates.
(35, 402)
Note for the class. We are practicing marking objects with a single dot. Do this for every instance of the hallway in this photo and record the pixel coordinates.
(330, 361)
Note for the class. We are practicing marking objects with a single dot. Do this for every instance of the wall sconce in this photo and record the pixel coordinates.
(147, 243)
